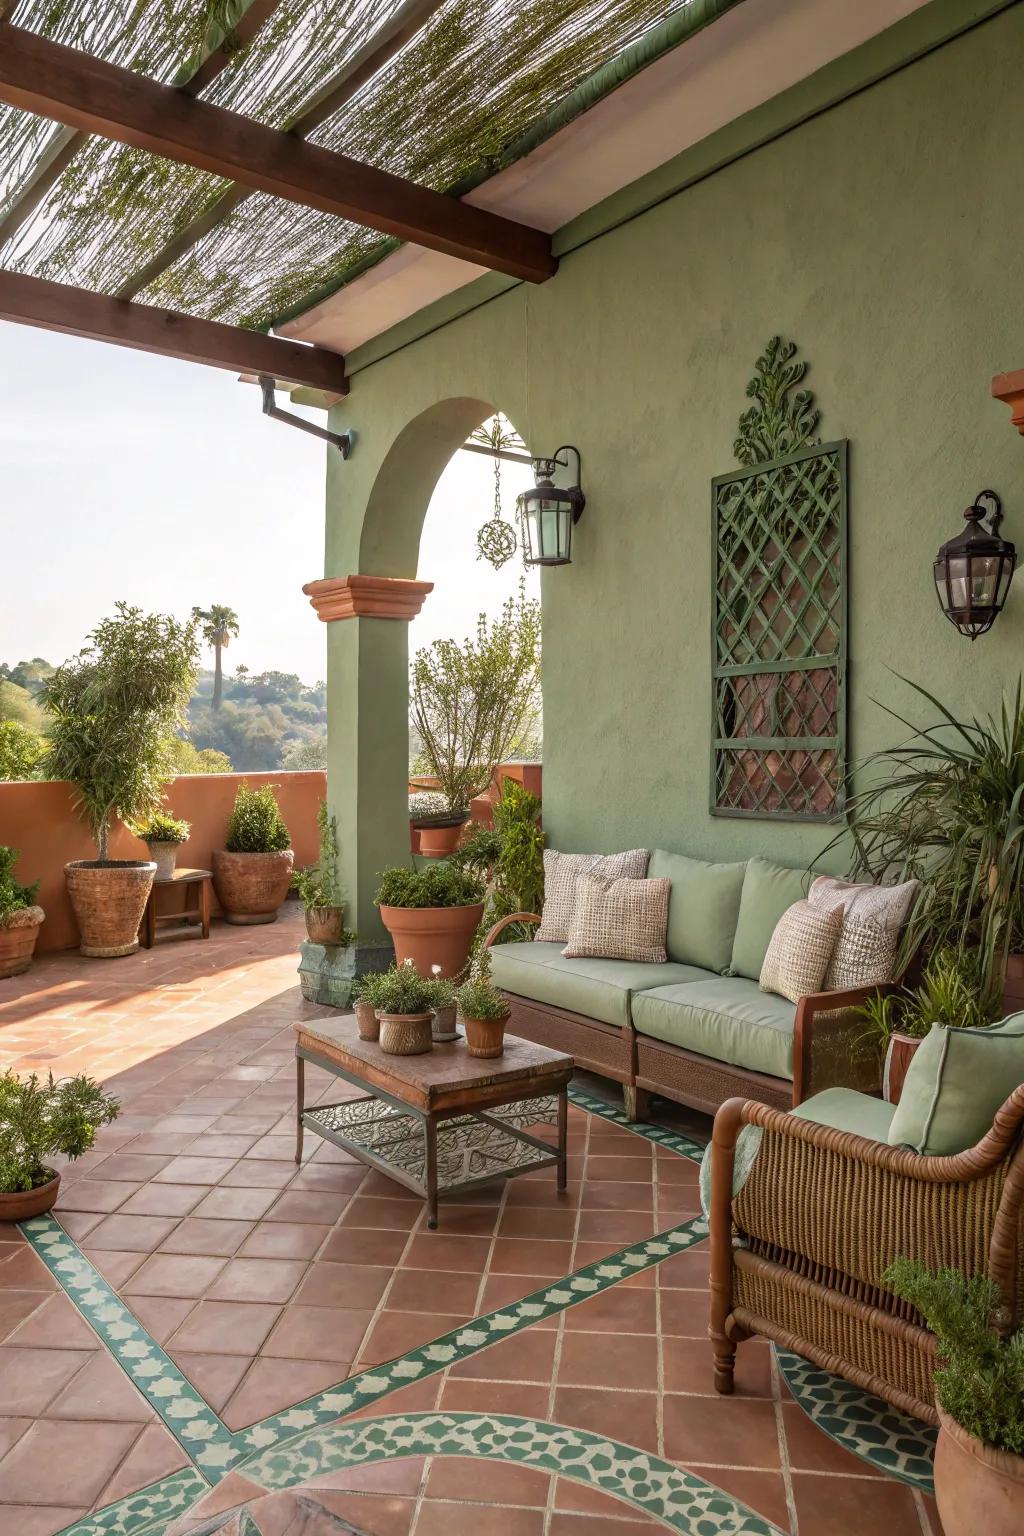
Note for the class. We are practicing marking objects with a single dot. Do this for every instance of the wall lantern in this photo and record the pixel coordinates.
(973, 571)
(547, 512)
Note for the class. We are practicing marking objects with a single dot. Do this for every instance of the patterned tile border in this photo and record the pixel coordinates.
(675, 1141)
(148, 1512)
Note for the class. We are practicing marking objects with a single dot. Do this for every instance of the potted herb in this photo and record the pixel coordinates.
(443, 1006)
(40, 1120)
(979, 1386)
(364, 1002)
(438, 824)
(19, 918)
(402, 999)
(163, 835)
(319, 887)
(510, 857)
(483, 1010)
(252, 872)
(115, 708)
(431, 915)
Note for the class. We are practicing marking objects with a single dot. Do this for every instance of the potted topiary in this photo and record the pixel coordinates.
(252, 872)
(115, 709)
(444, 1005)
(438, 824)
(319, 888)
(19, 918)
(431, 915)
(163, 835)
(979, 1386)
(40, 1120)
(402, 999)
(483, 1010)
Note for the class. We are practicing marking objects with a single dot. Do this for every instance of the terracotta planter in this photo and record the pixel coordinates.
(367, 1022)
(325, 925)
(430, 936)
(897, 1061)
(165, 857)
(18, 940)
(405, 1034)
(1013, 987)
(438, 839)
(977, 1488)
(485, 1037)
(443, 1024)
(29, 1202)
(251, 886)
(108, 901)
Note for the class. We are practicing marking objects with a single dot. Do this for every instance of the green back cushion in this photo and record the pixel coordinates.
(702, 909)
(956, 1081)
(768, 889)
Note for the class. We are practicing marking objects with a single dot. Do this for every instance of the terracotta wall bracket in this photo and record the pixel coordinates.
(369, 597)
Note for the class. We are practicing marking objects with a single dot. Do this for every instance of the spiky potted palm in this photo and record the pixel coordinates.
(114, 709)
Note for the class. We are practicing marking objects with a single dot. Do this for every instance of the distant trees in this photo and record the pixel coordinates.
(217, 625)
(21, 750)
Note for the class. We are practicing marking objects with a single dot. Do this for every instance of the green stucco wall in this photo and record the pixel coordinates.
(884, 236)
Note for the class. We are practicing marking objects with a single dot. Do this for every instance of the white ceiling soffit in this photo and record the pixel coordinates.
(743, 59)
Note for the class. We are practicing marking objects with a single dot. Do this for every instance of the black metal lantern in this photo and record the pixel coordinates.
(973, 571)
(547, 512)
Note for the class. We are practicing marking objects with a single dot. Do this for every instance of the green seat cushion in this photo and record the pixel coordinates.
(846, 1110)
(600, 989)
(726, 1017)
(956, 1081)
(702, 909)
(768, 890)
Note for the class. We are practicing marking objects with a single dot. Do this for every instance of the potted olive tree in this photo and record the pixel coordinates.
(114, 709)
(431, 915)
(319, 887)
(163, 835)
(252, 872)
(19, 918)
(40, 1120)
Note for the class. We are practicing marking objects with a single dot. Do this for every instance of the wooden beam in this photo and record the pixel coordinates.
(86, 93)
(76, 312)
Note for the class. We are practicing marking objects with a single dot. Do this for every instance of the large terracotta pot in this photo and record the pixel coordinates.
(897, 1064)
(325, 925)
(433, 936)
(438, 839)
(18, 940)
(25, 1203)
(251, 886)
(977, 1488)
(108, 901)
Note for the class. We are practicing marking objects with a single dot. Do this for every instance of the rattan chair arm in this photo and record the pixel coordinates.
(506, 922)
(831, 1052)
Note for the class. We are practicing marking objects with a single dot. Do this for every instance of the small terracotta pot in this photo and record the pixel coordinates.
(18, 940)
(977, 1487)
(485, 1037)
(251, 886)
(108, 901)
(438, 839)
(429, 936)
(897, 1062)
(325, 925)
(165, 857)
(24, 1203)
(367, 1022)
(443, 1024)
(405, 1034)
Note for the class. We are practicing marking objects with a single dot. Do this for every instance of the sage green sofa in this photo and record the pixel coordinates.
(697, 1028)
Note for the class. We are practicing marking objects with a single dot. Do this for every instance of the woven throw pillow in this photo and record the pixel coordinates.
(619, 920)
(874, 915)
(562, 872)
(800, 950)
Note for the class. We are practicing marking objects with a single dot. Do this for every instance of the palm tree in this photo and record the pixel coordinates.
(219, 623)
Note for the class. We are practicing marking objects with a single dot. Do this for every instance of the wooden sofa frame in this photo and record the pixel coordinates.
(828, 1050)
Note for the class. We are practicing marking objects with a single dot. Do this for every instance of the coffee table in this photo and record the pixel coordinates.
(426, 1121)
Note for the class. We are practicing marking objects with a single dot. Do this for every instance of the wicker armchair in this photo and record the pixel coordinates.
(798, 1253)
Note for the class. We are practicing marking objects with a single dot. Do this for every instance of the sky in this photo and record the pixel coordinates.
(129, 476)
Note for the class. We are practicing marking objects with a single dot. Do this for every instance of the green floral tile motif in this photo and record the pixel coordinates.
(869, 1427)
(146, 1513)
(675, 1141)
(681, 1501)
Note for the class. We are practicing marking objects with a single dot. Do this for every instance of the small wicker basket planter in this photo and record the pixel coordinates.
(109, 899)
(22, 1204)
(405, 1034)
(325, 925)
(18, 937)
(251, 886)
(977, 1487)
(367, 1022)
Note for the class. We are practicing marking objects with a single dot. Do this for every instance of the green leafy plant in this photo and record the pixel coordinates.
(115, 706)
(13, 896)
(319, 885)
(479, 998)
(401, 990)
(40, 1119)
(161, 827)
(443, 992)
(256, 824)
(22, 750)
(439, 885)
(980, 1381)
(950, 992)
(510, 856)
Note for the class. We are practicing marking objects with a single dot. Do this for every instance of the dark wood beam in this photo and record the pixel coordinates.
(87, 93)
(76, 312)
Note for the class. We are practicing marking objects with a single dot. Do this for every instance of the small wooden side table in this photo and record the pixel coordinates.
(196, 914)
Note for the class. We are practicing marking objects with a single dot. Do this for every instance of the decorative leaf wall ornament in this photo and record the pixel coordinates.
(496, 539)
(780, 422)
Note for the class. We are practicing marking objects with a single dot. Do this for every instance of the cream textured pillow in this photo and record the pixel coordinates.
(873, 918)
(800, 950)
(619, 919)
(562, 872)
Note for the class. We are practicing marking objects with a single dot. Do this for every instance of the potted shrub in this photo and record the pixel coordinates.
(364, 1002)
(40, 1120)
(163, 835)
(483, 1010)
(438, 824)
(510, 857)
(402, 999)
(443, 1007)
(115, 708)
(319, 888)
(979, 1387)
(252, 872)
(19, 918)
(431, 915)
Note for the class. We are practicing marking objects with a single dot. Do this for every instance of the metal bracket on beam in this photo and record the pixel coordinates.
(341, 440)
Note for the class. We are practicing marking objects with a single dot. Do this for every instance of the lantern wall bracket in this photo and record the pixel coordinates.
(341, 440)
(544, 469)
(987, 518)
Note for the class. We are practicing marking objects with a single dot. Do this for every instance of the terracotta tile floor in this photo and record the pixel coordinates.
(266, 1283)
